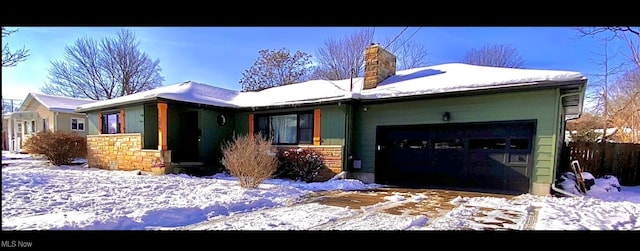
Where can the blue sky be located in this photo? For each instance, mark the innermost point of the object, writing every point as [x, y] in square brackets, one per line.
[219, 55]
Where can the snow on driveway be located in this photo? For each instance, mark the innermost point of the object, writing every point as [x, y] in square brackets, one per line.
[37, 196]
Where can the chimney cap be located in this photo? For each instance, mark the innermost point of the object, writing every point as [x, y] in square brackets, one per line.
[375, 43]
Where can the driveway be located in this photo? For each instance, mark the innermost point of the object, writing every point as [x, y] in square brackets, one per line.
[426, 204]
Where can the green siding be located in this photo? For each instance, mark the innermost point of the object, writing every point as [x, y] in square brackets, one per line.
[134, 119]
[214, 135]
[332, 125]
[533, 105]
[241, 123]
[150, 134]
[93, 123]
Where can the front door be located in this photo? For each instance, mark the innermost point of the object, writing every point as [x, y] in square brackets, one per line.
[189, 140]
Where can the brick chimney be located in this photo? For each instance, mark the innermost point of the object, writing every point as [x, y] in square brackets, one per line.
[379, 64]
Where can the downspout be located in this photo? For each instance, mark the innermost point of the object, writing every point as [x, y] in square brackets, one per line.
[347, 158]
[55, 122]
[553, 182]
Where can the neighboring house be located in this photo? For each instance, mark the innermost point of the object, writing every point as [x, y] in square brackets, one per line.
[41, 113]
[596, 134]
[444, 125]
[614, 135]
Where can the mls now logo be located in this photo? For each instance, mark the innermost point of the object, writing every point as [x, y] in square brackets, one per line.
[16, 244]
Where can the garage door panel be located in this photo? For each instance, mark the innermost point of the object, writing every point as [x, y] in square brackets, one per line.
[516, 171]
[487, 155]
[518, 158]
[517, 184]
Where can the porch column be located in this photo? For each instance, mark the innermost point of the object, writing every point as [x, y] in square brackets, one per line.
[162, 126]
[10, 134]
[316, 126]
[99, 123]
[251, 130]
[15, 135]
[122, 121]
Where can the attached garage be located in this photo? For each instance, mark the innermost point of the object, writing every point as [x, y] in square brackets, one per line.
[487, 155]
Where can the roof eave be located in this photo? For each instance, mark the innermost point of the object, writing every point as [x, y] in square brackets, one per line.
[527, 86]
[80, 109]
[342, 100]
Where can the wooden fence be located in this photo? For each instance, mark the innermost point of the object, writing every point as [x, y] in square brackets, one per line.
[618, 159]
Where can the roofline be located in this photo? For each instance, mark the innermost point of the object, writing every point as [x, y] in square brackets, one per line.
[66, 111]
[147, 100]
[116, 105]
[34, 96]
[29, 98]
[494, 90]
[342, 100]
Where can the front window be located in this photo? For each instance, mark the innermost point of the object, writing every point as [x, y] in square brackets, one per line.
[77, 124]
[286, 129]
[45, 124]
[111, 123]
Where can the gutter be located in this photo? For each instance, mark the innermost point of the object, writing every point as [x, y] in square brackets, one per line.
[330, 101]
[553, 182]
[90, 108]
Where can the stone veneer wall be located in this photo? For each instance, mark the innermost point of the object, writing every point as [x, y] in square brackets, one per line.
[379, 64]
[121, 152]
[332, 158]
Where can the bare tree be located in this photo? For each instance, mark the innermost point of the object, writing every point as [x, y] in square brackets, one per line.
[619, 102]
[625, 107]
[497, 55]
[409, 53]
[630, 35]
[615, 30]
[343, 58]
[103, 69]
[274, 68]
[12, 58]
[600, 86]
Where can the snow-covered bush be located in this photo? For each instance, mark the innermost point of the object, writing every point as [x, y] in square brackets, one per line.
[300, 164]
[60, 148]
[251, 159]
[608, 183]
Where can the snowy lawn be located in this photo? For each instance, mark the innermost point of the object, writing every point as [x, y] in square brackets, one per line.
[37, 196]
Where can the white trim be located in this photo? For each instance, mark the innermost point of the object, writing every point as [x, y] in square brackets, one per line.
[78, 122]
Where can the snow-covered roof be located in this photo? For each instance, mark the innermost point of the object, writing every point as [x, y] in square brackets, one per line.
[456, 77]
[56, 103]
[189, 91]
[444, 78]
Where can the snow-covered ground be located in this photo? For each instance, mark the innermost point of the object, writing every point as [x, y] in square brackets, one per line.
[37, 196]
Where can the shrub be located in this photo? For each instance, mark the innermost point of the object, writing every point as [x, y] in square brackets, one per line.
[300, 164]
[251, 160]
[60, 148]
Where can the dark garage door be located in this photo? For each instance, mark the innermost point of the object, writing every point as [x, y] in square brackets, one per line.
[496, 156]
